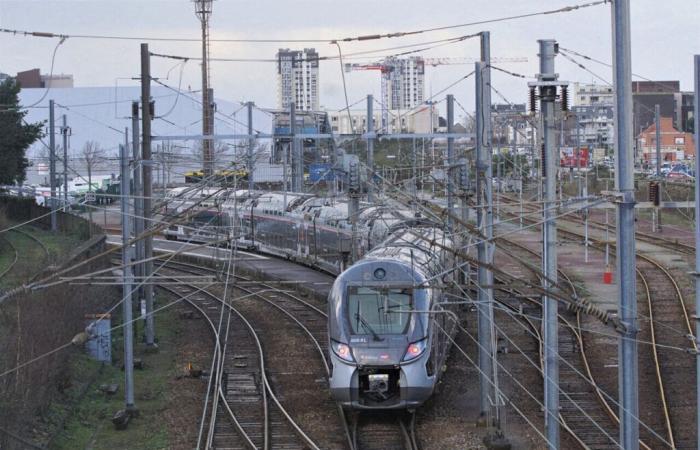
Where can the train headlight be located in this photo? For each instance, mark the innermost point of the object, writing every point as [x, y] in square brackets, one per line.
[342, 351]
[414, 350]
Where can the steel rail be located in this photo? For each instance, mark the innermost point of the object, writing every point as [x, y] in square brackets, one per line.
[215, 332]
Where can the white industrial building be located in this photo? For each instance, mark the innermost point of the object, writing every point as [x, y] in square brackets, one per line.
[415, 120]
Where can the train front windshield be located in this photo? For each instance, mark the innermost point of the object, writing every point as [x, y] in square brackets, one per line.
[207, 219]
[379, 311]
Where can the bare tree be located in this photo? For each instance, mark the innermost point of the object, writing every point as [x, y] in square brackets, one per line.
[92, 156]
[218, 153]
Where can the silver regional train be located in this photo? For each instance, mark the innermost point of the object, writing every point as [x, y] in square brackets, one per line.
[388, 326]
[388, 321]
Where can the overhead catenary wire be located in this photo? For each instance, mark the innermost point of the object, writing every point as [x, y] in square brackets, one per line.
[359, 38]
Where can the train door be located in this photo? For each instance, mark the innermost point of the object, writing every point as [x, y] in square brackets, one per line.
[313, 240]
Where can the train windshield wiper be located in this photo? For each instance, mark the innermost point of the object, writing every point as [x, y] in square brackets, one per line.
[368, 327]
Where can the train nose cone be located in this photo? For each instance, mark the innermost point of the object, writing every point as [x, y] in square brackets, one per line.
[387, 351]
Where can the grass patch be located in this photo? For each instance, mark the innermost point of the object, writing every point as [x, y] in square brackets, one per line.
[7, 255]
[31, 255]
[91, 425]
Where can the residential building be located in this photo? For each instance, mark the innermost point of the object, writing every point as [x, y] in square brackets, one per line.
[646, 95]
[594, 124]
[33, 79]
[593, 94]
[406, 82]
[512, 120]
[675, 145]
[297, 79]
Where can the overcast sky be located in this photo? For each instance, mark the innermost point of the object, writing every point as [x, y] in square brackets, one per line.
[664, 38]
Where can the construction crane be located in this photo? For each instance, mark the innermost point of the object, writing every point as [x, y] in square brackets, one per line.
[388, 65]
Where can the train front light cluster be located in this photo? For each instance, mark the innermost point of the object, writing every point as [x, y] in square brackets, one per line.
[414, 350]
[342, 351]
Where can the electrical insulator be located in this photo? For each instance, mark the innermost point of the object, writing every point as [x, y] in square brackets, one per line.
[543, 162]
[354, 178]
[134, 109]
[152, 108]
[654, 191]
[463, 176]
[564, 98]
[533, 100]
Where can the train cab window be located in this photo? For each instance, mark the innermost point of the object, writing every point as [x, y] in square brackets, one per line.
[379, 311]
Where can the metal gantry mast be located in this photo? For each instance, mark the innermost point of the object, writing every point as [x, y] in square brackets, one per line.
[52, 165]
[251, 145]
[146, 179]
[203, 10]
[65, 132]
[485, 224]
[547, 84]
[370, 147]
[628, 372]
[127, 278]
[696, 119]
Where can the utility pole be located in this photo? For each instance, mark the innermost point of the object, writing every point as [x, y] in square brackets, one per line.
[547, 84]
[484, 197]
[64, 132]
[203, 10]
[370, 148]
[293, 146]
[52, 166]
[657, 124]
[414, 174]
[450, 161]
[484, 210]
[251, 145]
[656, 222]
[128, 280]
[147, 188]
[628, 369]
[697, 237]
[354, 193]
[138, 198]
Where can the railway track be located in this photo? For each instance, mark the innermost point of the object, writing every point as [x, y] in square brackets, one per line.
[362, 431]
[585, 414]
[664, 306]
[294, 372]
[666, 407]
[384, 431]
[22, 267]
[249, 414]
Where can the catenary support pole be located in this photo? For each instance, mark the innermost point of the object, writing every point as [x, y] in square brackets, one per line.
[251, 146]
[293, 146]
[147, 187]
[64, 133]
[449, 170]
[137, 197]
[52, 165]
[657, 124]
[697, 240]
[370, 148]
[628, 383]
[485, 224]
[128, 280]
[548, 94]
[656, 223]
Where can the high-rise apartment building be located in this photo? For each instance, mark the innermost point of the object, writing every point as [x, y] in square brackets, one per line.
[297, 79]
[406, 83]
